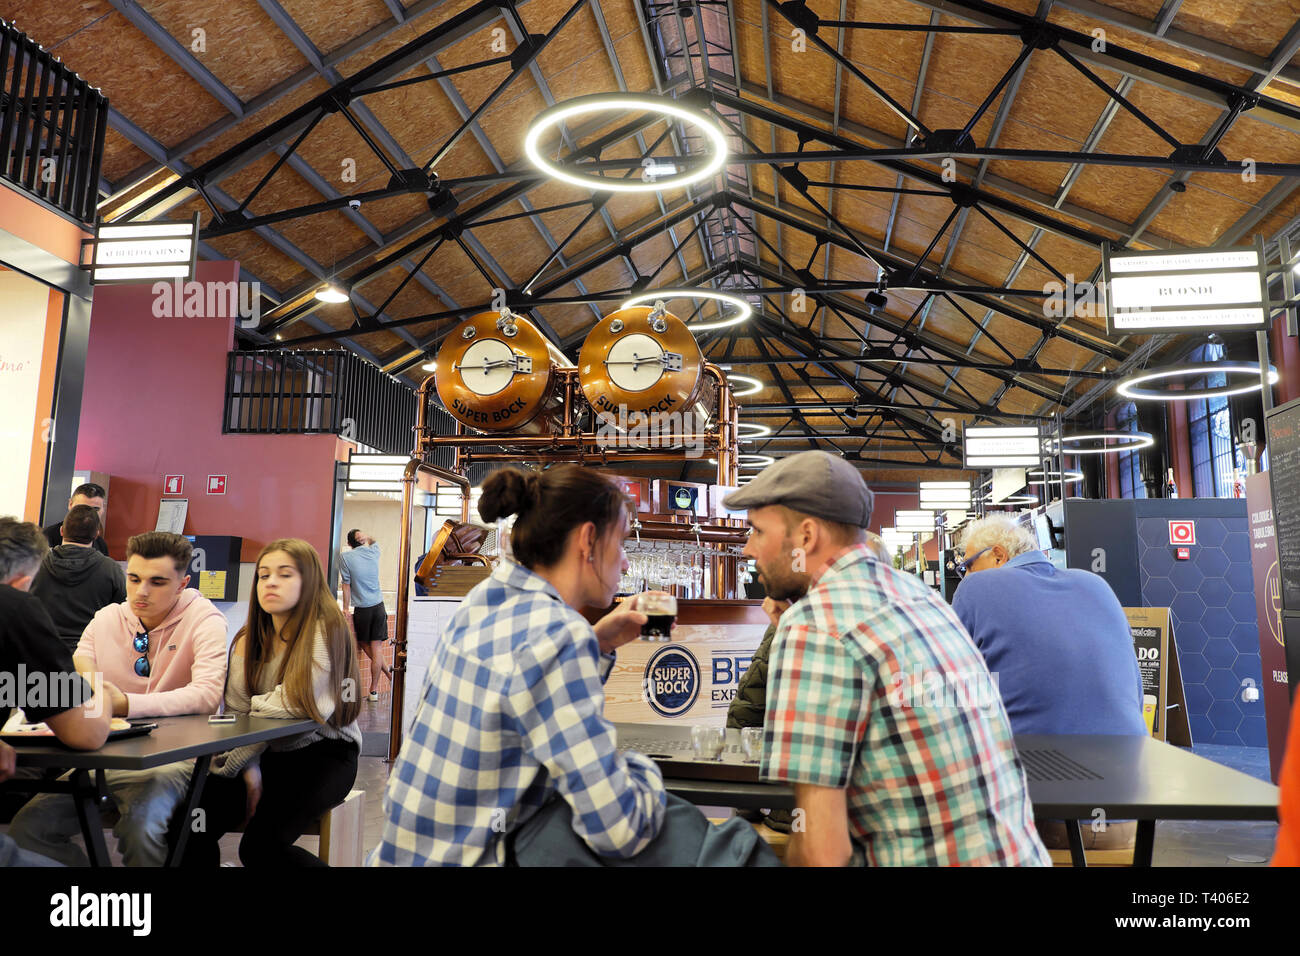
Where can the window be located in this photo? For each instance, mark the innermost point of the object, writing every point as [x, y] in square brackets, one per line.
[1209, 426]
[1130, 465]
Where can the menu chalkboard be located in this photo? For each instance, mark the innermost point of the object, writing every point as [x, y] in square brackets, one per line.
[1284, 473]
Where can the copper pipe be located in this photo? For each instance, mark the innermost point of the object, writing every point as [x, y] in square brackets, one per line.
[685, 534]
[413, 466]
[724, 445]
[557, 441]
[568, 405]
[421, 411]
[589, 459]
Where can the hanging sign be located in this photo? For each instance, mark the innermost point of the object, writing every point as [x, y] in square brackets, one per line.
[1184, 290]
[144, 252]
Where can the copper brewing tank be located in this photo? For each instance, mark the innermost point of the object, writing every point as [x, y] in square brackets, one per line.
[495, 372]
[639, 362]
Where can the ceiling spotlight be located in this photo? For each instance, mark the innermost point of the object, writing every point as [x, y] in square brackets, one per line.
[430, 366]
[603, 102]
[442, 203]
[331, 293]
[743, 309]
[876, 300]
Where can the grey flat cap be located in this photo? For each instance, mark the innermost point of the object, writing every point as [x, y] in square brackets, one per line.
[814, 482]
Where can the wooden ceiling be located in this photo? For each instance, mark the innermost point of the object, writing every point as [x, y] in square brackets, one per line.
[1205, 84]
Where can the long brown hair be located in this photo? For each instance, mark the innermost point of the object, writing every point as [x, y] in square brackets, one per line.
[316, 610]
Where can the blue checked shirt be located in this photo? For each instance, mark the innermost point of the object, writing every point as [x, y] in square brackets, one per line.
[512, 714]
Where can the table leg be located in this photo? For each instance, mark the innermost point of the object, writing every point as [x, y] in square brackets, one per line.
[1075, 838]
[85, 795]
[1145, 845]
[177, 850]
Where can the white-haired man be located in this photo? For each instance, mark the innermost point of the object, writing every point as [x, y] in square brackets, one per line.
[1056, 638]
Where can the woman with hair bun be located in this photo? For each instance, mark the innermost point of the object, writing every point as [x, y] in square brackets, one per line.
[510, 730]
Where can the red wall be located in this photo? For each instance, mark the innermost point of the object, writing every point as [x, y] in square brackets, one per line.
[1286, 359]
[153, 403]
[882, 515]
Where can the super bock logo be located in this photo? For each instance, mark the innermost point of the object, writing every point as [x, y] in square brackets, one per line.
[672, 681]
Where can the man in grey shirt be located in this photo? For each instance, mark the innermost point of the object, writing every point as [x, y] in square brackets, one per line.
[359, 569]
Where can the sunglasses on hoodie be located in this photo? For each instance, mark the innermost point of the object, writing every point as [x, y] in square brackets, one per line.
[141, 644]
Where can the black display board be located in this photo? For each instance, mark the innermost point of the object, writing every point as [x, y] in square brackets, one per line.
[214, 569]
[1284, 473]
[1101, 536]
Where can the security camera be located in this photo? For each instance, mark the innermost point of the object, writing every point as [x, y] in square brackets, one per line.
[354, 203]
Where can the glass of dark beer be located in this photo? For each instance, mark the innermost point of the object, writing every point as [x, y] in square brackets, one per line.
[660, 610]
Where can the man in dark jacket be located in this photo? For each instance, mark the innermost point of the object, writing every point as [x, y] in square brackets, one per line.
[75, 580]
[87, 494]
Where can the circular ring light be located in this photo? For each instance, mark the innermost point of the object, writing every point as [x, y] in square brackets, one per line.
[744, 309]
[1054, 476]
[755, 386]
[1012, 500]
[762, 462]
[1129, 387]
[1132, 442]
[762, 432]
[598, 102]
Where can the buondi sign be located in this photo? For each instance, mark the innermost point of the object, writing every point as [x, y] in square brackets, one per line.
[1180, 290]
[1002, 446]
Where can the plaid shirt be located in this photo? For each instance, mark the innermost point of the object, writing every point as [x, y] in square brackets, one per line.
[511, 714]
[876, 688]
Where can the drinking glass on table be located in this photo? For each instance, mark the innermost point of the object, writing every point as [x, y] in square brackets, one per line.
[751, 738]
[708, 741]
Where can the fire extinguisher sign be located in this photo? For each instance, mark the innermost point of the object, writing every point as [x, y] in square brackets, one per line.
[1182, 532]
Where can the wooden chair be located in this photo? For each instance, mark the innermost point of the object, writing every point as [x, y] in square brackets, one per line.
[343, 830]
[453, 542]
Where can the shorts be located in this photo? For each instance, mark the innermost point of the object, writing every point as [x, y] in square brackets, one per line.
[370, 623]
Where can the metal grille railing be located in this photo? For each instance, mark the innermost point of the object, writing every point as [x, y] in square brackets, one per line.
[52, 125]
[305, 392]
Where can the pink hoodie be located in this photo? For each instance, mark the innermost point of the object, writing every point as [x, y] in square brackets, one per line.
[188, 669]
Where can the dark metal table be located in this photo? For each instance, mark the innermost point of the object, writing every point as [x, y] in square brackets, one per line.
[175, 739]
[1070, 777]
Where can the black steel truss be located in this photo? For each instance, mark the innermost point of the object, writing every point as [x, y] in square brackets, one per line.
[691, 62]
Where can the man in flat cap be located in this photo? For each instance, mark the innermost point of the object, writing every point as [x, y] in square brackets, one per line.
[880, 709]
